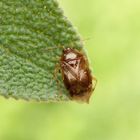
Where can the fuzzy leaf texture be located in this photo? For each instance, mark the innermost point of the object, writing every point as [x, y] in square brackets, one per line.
[27, 29]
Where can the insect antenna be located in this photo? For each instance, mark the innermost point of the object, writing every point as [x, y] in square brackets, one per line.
[52, 48]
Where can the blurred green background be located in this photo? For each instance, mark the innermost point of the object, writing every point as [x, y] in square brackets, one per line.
[113, 29]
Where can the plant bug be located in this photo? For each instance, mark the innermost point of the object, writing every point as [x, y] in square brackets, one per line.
[76, 74]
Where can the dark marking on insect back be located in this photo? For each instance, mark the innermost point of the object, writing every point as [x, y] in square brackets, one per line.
[77, 75]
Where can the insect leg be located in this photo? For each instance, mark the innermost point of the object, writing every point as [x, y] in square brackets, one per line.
[56, 71]
[95, 82]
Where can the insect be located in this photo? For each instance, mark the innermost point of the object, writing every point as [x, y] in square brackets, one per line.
[76, 74]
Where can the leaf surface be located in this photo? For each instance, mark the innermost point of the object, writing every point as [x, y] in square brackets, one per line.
[28, 29]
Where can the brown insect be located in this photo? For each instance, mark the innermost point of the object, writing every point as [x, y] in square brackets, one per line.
[77, 75]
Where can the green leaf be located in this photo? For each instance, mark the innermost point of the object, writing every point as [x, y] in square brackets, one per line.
[27, 29]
